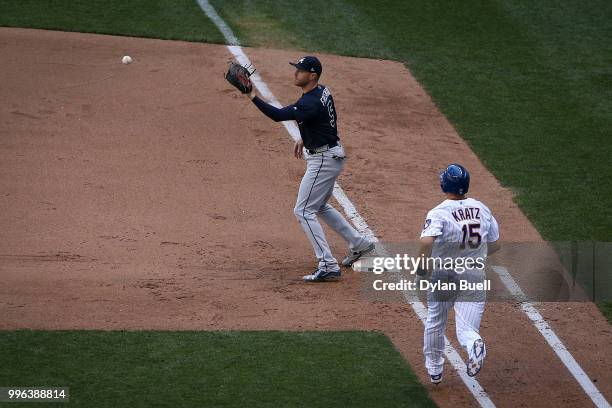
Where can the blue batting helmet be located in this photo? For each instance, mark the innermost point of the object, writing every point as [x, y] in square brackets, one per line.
[455, 179]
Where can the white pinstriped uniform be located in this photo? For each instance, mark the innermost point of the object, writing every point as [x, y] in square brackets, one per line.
[456, 221]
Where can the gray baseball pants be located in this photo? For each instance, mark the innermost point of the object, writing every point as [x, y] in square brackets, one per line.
[316, 189]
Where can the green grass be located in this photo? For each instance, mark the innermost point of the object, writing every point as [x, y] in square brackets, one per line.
[527, 84]
[212, 369]
[606, 310]
[172, 20]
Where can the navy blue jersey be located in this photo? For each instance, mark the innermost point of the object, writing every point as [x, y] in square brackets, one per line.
[314, 113]
[316, 117]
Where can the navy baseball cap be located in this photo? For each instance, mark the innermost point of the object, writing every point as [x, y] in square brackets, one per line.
[309, 64]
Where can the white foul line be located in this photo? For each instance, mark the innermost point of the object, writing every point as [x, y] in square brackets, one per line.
[552, 339]
[348, 207]
[227, 32]
[353, 215]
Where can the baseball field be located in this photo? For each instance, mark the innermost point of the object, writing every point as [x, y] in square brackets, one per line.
[149, 253]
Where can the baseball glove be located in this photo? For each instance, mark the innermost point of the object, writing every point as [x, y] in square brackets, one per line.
[238, 76]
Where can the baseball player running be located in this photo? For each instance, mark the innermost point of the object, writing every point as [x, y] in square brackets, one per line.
[317, 121]
[459, 227]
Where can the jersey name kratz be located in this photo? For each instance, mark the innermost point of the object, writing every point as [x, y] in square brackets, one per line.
[325, 96]
[467, 213]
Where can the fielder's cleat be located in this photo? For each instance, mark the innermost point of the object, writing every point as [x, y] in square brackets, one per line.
[355, 255]
[322, 276]
[436, 379]
[477, 356]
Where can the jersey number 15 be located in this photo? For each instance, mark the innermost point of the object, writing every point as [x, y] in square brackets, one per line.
[471, 236]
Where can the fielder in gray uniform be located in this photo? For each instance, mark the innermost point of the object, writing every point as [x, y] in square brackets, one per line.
[317, 120]
[459, 228]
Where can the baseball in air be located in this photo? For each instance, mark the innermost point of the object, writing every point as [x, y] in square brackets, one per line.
[126, 59]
